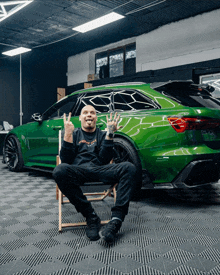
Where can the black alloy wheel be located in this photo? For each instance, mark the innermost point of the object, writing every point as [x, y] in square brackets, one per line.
[12, 154]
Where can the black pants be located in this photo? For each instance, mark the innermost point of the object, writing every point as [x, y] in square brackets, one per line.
[70, 177]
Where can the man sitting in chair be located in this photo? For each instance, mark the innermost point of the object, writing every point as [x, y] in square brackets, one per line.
[85, 154]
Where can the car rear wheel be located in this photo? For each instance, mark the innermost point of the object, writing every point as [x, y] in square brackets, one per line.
[12, 154]
[124, 151]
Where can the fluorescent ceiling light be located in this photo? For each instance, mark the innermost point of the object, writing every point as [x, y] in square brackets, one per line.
[18, 5]
[16, 51]
[101, 21]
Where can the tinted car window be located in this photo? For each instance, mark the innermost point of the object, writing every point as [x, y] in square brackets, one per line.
[100, 100]
[190, 96]
[131, 100]
[64, 106]
[193, 100]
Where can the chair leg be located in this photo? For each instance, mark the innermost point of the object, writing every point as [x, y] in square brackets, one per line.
[57, 192]
[114, 192]
[102, 195]
[60, 210]
[62, 225]
[61, 201]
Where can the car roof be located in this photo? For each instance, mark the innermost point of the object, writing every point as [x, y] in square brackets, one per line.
[175, 83]
[171, 84]
[152, 85]
[123, 84]
[117, 85]
[102, 87]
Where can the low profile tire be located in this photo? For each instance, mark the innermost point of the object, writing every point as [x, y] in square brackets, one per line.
[124, 151]
[12, 154]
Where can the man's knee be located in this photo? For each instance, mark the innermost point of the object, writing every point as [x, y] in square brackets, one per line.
[129, 168]
[60, 171]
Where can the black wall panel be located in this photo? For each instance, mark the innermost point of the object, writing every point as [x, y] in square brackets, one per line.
[40, 80]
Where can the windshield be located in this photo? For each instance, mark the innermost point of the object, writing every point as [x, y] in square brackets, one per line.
[63, 106]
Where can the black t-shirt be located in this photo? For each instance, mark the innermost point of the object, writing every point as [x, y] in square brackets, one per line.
[87, 148]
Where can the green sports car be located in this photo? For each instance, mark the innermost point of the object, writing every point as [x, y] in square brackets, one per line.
[171, 132]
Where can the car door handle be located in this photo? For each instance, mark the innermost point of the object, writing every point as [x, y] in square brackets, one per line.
[57, 128]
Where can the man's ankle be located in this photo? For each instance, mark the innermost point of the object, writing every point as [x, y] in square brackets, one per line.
[93, 227]
[116, 218]
[109, 232]
[89, 214]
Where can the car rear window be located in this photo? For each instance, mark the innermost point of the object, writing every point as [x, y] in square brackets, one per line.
[132, 100]
[190, 96]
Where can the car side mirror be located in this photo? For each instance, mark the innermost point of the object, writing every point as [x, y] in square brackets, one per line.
[37, 117]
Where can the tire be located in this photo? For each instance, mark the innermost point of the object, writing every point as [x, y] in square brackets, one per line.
[12, 154]
[124, 151]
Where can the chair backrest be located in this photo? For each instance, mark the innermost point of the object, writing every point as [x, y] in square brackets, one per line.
[59, 140]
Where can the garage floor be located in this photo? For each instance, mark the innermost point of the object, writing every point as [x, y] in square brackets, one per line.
[161, 234]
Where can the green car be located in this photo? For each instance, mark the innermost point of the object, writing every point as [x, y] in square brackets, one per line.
[171, 132]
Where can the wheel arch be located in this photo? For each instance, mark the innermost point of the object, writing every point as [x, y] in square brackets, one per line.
[21, 140]
[132, 143]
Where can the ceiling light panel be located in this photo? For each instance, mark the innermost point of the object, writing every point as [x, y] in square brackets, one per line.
[16, 51]
[101, 21]
[8, 8]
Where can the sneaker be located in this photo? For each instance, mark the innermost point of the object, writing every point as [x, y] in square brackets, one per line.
[110, 230]
[92, 229]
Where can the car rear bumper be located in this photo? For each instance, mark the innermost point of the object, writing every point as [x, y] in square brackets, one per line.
[197, 173]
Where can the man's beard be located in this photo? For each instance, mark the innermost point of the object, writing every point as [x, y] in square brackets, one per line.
[89, 127]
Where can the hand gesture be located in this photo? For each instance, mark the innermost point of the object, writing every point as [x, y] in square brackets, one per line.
[112, 124]
[68, 125]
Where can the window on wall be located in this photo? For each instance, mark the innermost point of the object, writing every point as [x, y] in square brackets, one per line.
[116, 62]
[101, 60]
[213, 80]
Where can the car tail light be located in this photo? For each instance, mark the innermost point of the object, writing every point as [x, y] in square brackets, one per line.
[181, 124]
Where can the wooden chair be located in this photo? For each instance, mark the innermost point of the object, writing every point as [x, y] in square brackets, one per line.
[98, 196]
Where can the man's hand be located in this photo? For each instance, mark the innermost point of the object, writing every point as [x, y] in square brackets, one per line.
[69, 128]
[112, 125]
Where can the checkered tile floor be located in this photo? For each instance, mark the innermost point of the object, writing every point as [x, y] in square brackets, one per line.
[161, 235]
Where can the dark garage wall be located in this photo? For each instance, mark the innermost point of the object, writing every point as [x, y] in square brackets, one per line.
[9, 90]
[42, 75]
[40, 78]
[184, 72]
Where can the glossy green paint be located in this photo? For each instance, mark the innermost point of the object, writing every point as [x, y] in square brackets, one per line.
[162, 150]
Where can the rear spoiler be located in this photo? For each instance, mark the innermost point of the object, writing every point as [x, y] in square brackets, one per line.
[172, 83]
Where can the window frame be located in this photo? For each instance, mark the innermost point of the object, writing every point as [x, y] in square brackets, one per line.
[108, 53]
